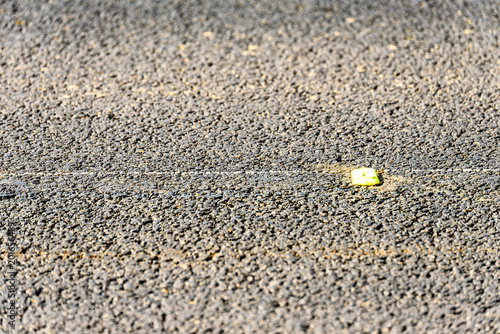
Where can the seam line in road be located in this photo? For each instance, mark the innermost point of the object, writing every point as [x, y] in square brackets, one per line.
[248, 172]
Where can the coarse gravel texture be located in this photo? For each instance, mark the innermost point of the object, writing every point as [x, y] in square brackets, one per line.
[183, 166]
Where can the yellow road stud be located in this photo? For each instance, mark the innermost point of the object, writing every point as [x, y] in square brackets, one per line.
[365, 177]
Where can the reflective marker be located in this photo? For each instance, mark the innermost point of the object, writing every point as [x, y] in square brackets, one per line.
[365, 177]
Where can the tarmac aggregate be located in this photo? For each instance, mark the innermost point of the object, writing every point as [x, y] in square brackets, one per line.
[183, 166]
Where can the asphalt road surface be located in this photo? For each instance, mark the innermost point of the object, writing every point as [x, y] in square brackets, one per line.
[183, 166]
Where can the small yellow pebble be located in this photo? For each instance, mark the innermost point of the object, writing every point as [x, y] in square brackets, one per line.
[365, 177]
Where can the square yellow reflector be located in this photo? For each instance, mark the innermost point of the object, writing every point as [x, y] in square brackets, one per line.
[365, 177]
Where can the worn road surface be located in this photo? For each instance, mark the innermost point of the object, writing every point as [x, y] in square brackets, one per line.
[183, 166]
